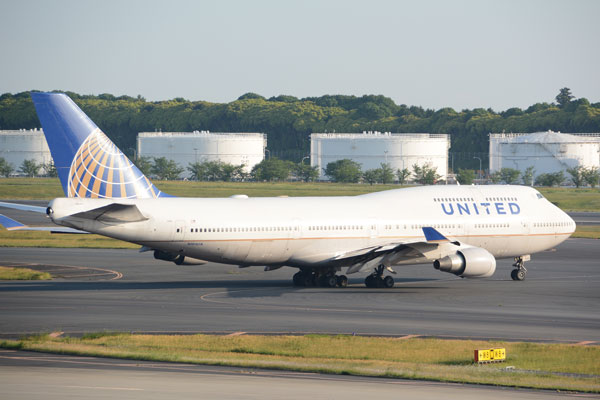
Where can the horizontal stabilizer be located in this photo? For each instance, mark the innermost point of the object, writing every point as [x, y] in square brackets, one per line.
[23, 207]
[9, 223]
[113, 213]
[12, 225]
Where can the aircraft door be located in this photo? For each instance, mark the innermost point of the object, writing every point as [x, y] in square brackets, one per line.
[179, 231]
[373, 228]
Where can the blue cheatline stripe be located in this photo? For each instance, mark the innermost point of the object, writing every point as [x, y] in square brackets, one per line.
[9, 223]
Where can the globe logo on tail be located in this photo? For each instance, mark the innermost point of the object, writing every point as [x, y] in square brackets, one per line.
[100, 170]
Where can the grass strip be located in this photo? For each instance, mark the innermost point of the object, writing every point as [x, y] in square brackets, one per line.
[47, 239]
[22, 274]
[536, 365]
[587, 232]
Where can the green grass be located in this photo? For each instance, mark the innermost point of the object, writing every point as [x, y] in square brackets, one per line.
[47, 239]
[49, 188]
[30, 188]
[535, 365]
[571, 199]
[587, 232]
[22, 274]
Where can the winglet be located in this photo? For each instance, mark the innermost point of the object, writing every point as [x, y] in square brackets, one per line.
[431, 235]
[10, 224]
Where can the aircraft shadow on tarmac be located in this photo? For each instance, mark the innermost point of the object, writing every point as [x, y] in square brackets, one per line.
[237, 288]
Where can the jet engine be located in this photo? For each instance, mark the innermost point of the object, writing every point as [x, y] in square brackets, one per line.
[177, 258]
[471, 262]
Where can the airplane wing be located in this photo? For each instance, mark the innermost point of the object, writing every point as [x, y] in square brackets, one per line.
[23, 207]
[433, 247]
[12, 225]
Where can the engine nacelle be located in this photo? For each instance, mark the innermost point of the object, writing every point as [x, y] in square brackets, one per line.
[185, 260]
[165, 256]
[177, 258]
[471, 262]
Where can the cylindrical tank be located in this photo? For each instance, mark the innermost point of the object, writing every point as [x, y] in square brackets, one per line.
[17, 146]
[546, 152]
[199, 146]
[371, 149]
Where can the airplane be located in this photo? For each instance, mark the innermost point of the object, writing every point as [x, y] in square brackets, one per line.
[461, 230]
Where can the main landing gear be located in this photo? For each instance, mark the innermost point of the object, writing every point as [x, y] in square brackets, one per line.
[518, 274]
[376, 279]
[316, 278]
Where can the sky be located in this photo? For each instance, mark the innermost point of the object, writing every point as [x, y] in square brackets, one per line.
[429, 53]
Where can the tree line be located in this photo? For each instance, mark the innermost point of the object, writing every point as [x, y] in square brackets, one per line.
[275, 169]
[288, 121]
[341, 171]
[29, 168]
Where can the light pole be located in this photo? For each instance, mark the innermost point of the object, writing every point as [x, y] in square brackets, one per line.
[304, 158]
[268, 152]
[478, 172]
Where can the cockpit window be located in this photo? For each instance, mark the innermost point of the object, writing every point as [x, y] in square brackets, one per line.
[539, 196]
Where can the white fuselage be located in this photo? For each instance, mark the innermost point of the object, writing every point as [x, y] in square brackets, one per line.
[507, 221]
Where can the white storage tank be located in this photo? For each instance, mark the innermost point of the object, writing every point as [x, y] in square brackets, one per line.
[17, 146]
[371, 149]
[199, 146]
[546, 152]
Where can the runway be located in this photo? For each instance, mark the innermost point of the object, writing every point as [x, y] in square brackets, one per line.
[25, 375]
[557, 302]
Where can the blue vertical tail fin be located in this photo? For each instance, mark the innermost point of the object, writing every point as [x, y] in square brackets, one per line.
[88, 163]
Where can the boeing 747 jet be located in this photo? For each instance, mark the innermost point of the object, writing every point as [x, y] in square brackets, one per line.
[460, 230]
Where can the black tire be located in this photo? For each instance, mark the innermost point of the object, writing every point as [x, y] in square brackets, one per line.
[371, 281]
[308, 280]
[342, 281]
[331, 281]
[297, 279]
[323, 281]
[388, 282]
[513, 274]
[520, 275]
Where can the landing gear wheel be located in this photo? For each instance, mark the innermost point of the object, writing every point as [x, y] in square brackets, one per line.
[308, 280]
[517, 274]
[342, 281]
[331, 281]
[376, 279]
[388, 282]
[371, 281]
[297, 279]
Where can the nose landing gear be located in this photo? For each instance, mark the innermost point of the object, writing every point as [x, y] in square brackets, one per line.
[518, 274]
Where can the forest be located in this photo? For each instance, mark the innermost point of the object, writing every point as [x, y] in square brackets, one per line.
[288, 121]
